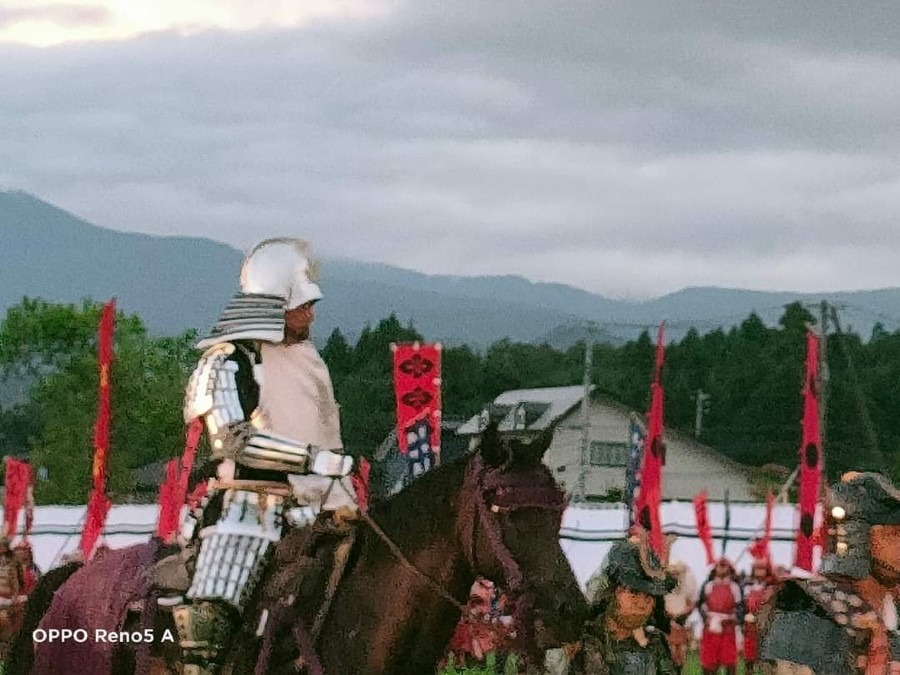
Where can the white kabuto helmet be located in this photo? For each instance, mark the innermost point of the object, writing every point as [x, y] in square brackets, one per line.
[277, 275]
[282, 267]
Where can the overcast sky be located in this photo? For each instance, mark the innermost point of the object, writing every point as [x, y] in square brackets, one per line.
[630, 148]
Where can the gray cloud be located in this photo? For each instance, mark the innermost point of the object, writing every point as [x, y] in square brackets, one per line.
[628, 147]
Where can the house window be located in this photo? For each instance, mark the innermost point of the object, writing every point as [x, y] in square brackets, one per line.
[605, 453]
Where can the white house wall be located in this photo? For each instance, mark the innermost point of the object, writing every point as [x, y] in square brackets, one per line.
[689, 469]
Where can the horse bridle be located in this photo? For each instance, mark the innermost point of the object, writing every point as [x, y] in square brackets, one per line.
[486, 493]
[495, 491]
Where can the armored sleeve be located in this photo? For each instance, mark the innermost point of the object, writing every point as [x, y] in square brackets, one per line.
[214, 393]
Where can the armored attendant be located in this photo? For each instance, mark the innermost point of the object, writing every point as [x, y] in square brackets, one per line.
[757, 591]
[843, 621]
[267, 401]
[722, 609]
[627, 633]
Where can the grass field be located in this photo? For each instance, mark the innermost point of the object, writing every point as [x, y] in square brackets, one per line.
[491, 667]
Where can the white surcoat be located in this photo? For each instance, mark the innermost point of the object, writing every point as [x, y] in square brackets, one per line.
[296, 399]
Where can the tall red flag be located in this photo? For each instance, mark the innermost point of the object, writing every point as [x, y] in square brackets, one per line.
[810, 457]
[704, 529]
[18, 485]
[99, 503]
[417, 386]
[95, 518]
[650, 495]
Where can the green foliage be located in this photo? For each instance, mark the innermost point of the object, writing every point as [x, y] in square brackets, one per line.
[753, 374]
[57, 346]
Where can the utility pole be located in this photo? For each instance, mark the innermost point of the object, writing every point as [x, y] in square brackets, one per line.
[702, 398]
[585, 420]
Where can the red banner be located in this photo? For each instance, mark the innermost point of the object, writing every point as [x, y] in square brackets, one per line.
[95, 518]
[99, 503]
[810, 457]
[704, 530]
[650, 495]
[192, 440]
[417, 386]
[101, 428]
[761, 548]
[18, 485]
[173, 493]
[169, 507]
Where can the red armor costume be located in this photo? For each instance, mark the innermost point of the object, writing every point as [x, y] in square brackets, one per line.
[721, 606]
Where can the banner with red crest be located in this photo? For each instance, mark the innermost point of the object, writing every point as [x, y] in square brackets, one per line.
[810, 457]
[99, 503]
[19, 482]
[417, 387]
[650, 495]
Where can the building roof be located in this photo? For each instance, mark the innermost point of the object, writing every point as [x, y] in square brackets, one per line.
[526, 409]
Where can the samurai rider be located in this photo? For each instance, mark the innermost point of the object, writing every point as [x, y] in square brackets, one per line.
[627, 634]
[843, 621]
[267, 401]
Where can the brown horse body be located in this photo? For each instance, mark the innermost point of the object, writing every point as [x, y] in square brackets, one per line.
[494, 514]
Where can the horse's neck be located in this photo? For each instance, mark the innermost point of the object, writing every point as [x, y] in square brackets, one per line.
[424, 526]
[401, 622]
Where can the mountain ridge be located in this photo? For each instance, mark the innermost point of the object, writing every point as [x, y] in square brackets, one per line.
[180, 282]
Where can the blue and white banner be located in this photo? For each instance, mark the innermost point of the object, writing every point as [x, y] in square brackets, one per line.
[633, 468]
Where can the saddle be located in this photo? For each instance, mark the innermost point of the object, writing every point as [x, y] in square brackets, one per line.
[306, 571]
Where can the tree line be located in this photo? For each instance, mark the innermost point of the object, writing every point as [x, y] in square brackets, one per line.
[752, 373]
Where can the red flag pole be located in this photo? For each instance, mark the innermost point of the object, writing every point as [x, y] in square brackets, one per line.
[99, 503]
[810, 457]
[650, 495]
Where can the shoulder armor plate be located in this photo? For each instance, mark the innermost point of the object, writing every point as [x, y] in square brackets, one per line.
[212, 390]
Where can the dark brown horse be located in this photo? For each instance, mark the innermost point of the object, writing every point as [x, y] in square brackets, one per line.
[495, 513]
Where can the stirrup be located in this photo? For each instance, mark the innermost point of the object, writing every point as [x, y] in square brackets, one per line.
[204, 631]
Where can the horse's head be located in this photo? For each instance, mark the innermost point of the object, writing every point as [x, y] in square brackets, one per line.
[510, 519]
